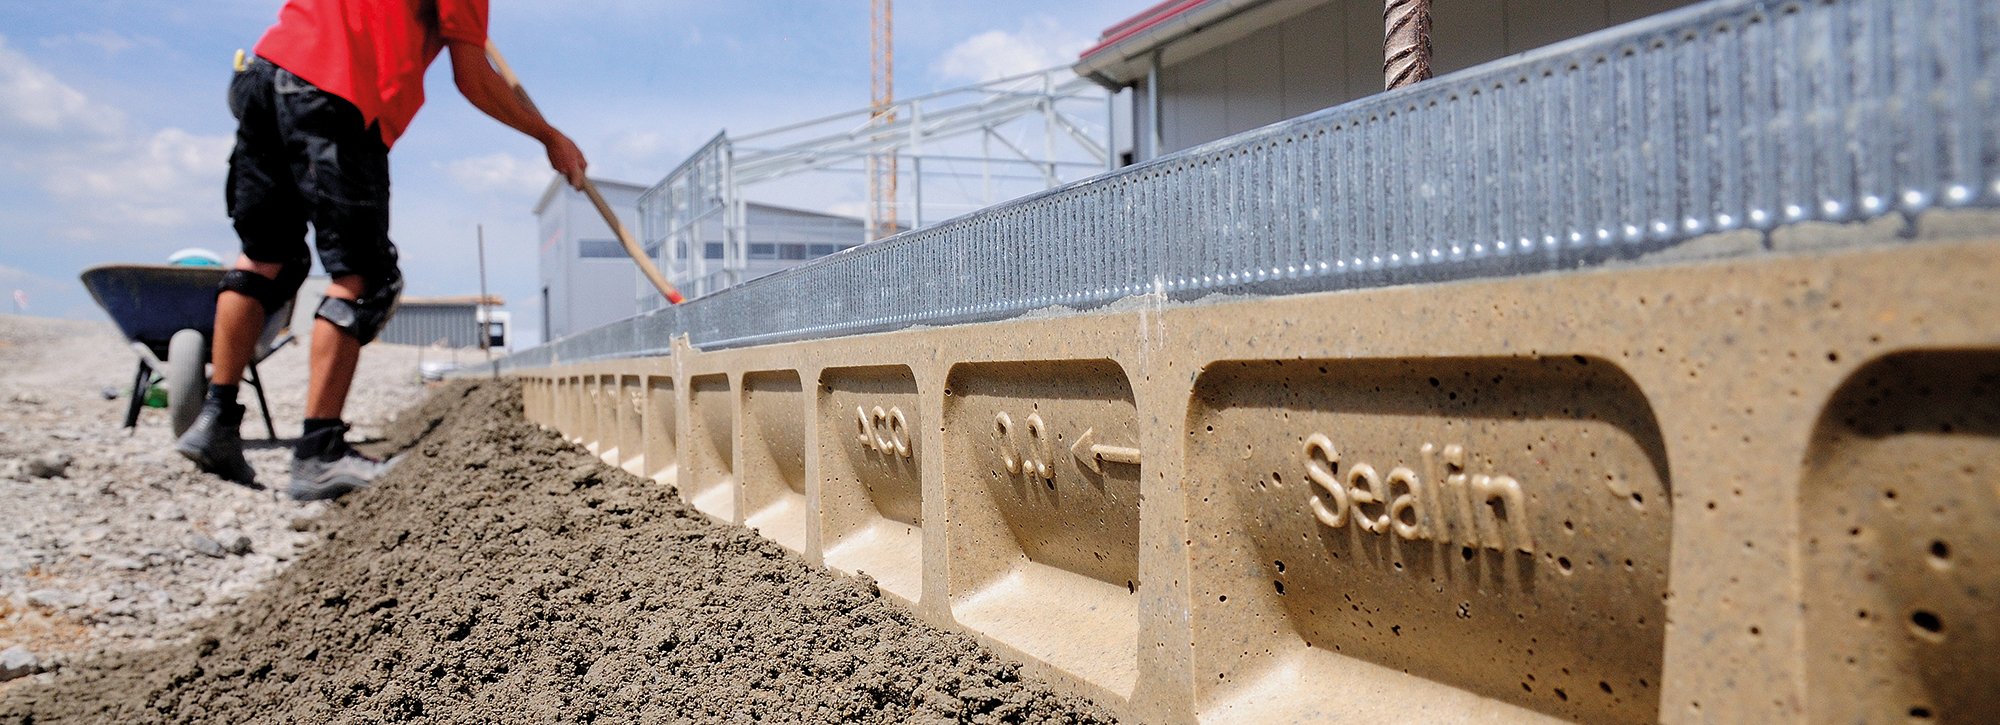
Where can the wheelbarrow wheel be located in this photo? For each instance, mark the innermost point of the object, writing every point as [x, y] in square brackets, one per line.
[187, 377]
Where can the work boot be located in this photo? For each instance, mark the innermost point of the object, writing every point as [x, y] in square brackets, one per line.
[215, 445]
[325, 467]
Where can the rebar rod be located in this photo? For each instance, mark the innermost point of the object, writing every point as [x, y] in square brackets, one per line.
[1406, 42]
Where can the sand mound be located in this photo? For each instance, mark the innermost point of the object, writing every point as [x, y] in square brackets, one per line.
[501, 575]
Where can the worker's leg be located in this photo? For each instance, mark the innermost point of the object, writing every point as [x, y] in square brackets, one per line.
[239, 320]
[334, 356]
[323, 464]
[343, 177]
[269, 215]
[264, 204]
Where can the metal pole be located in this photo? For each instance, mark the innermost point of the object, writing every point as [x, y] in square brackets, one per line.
[871, 224]
[1111, 131]
[986, 166]
[917, 189]
[916, 163]
[740, 211]
[736, 238]
[479, 310]
[1153, 134]
[1406, 42]
[1049, 127]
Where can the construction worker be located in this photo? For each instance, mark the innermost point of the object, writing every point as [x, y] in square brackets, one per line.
[329, 89]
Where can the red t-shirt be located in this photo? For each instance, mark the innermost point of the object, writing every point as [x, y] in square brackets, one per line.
[372, 53]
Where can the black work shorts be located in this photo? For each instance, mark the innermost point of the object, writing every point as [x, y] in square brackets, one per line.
[304, 155]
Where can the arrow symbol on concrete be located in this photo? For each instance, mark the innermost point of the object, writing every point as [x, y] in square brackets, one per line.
[1094, 455]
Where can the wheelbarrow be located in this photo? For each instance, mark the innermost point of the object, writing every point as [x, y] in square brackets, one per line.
[167, 314]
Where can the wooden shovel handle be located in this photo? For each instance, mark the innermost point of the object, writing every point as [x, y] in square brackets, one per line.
[590, 189]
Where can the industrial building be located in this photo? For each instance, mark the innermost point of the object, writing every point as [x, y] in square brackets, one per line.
[587, 277]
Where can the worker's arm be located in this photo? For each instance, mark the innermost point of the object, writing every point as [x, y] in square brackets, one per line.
[483, 86]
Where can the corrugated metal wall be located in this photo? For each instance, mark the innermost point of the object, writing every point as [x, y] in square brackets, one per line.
[454, 325]
[1333, 54]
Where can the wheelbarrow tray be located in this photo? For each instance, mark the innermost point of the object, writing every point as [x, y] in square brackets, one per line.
[151, 302]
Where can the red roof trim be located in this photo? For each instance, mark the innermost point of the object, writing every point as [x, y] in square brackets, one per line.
[1143, 16]
[1140, 23]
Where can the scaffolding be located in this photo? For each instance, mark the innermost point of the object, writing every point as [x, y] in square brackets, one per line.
[1014, 135]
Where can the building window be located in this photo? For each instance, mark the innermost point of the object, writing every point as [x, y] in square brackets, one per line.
[763, 251]
[712, 250]
[793, 251]
[821, 250]
[599, 249]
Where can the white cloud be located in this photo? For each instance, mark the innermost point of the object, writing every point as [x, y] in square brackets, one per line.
[168, 179]
[12, 278]
[642, 144]
[34, 100]
[643, 156]
[109, 42]
[502, 172]
[1040, 43]
[105, 177]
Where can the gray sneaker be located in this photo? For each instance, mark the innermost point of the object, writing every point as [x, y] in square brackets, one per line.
[214, 444]
[314, 479]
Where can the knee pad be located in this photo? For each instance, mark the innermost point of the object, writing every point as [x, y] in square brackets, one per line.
[273, 294]
[364, 318]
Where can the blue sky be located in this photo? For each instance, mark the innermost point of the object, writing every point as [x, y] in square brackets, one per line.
[114, 133]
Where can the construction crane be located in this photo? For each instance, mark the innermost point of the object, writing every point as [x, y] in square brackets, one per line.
[882, 80]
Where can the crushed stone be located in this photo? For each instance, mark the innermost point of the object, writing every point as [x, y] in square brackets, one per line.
[107, 542]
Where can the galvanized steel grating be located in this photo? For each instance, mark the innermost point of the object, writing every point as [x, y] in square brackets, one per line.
[1730, 115]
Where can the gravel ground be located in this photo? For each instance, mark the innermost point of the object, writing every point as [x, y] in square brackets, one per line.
[129, 545]
[500, 574]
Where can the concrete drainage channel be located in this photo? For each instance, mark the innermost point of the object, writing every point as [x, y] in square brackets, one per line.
[1485, 499]
[1635, 378]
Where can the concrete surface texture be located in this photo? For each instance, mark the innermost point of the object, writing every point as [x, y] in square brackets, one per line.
[1749, 489]
[501, 575]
